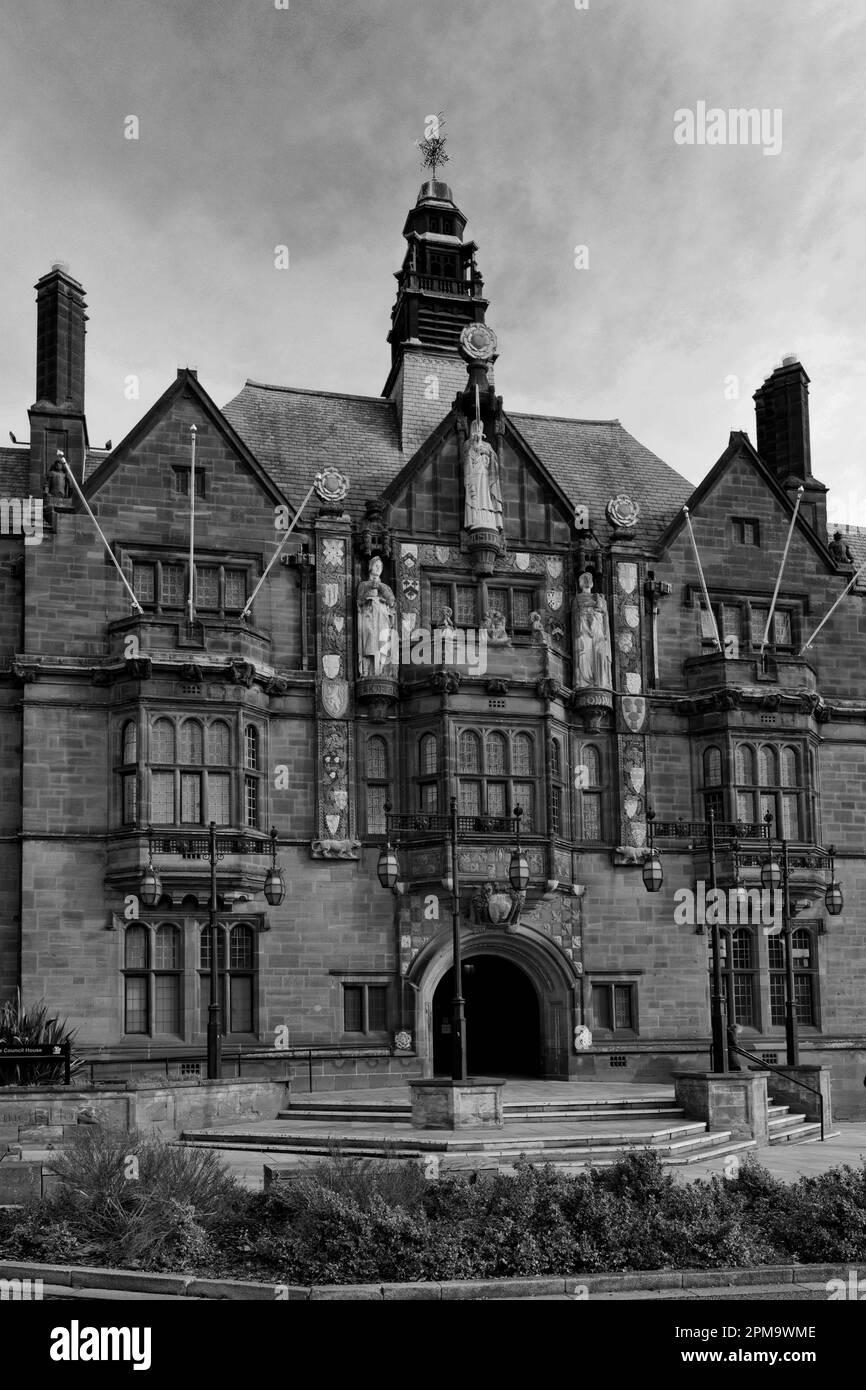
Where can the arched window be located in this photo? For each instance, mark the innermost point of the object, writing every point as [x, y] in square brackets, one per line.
[738, 975]
[136, 980]
[587, 780]
[166, 979]
[805, 977]
[470, 754]
[555, 758]
[237, 984]
[219, 743]
[590, 764]
[129, 742]
[377, 758]
[523, 765]
[191, 743]
[788, 771]
[252, 781]
[496, 766]
[377, 789]
[428, 756]
[747, 796]
[712, 767]
[745, 765]
[767, 767]
[714, 797]
[129, 773]
[559, 807]
[162, 741]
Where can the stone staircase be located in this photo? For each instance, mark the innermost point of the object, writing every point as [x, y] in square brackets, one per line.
[788, 1127]
[570, 1133]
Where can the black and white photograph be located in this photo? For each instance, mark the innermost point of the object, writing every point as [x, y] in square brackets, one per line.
[432, 680]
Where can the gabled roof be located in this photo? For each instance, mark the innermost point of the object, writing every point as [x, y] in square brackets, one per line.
[595, 460]
[297, 433]
[187, 383]
[740, 446]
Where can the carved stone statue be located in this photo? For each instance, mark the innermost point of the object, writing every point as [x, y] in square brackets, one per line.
[539, 632]
[840, 551]
[483, 507]
[446, 618]
[592, 655]
[56, 484]
[377, 620]
[497, 634]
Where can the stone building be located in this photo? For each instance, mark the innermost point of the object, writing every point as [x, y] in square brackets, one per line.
[504, 608]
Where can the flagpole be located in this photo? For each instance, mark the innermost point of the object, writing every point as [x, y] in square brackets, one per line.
[800, 492]
[703, 581]
[192, 434]
[111, 555]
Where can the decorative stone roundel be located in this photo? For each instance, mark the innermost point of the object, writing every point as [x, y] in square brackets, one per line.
[623, 512]
[478, 342]
[331, 485]
[403, 1040]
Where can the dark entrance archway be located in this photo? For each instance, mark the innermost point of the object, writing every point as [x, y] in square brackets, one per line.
[503, 1020]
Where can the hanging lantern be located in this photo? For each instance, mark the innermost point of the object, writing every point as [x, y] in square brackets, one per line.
[518, 871]
[387, 868]
[275, 885]
[150, 890]
[652, 872]
[771, 873]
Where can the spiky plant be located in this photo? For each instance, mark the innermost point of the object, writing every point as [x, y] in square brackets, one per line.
[23, 1026]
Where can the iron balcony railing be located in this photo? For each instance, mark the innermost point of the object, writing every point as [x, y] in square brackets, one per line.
[699, 830]
[439, 824]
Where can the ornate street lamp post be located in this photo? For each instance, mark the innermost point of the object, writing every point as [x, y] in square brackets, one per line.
[213, 849]
[775, 874]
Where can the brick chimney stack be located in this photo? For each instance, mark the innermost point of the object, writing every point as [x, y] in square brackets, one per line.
[57, 420]
[782, 417]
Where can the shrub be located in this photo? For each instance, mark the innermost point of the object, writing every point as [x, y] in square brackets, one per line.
[361, 1181]
[140, 1199]
[34, 1026]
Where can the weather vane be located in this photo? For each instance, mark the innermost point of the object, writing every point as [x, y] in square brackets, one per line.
[432, 147]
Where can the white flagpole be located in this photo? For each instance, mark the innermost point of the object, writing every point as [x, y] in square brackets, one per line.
[296, 518]
[192, 434]
[703, 581]
[800, 492]
[111, 555]
[807, 644]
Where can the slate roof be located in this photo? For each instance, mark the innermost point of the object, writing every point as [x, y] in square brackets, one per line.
[595, 460]
[294, 433]
[14, 467]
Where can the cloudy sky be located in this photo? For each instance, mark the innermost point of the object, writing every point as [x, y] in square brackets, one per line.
[262, 126]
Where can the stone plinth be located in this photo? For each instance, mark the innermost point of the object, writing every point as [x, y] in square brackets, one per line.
[806, 1102]
[736, 1101]
[445, 1104]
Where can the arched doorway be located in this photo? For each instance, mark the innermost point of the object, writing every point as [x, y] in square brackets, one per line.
[503, 1019]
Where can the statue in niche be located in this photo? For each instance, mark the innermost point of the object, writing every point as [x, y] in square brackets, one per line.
[377, 622]
[592, 656]
[483, 507]
[56, 485]
[840, 551]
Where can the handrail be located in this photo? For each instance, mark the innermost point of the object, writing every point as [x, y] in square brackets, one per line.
[767, 1066]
